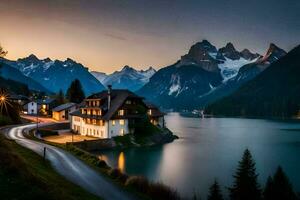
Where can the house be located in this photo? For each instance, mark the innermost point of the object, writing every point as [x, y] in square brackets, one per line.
[46, 106]
[41, 106]
[19, 99]
[112, 113]
[31, 108]
[63, 111]
[155, 115]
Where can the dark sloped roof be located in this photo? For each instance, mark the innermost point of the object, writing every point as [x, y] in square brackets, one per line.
[155, 112]
[63, 107]
[18, 97]
[118, 97]
[45, 101]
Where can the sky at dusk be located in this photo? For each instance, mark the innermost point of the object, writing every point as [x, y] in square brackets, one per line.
[105, 35]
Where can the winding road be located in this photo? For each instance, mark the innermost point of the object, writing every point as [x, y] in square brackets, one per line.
[69, 166]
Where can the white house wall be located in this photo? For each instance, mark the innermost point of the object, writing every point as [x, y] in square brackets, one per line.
[32, 108]
[99, 131]
[115, 130]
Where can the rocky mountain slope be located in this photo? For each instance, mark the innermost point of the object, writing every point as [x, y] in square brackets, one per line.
[275, 92]
[198, 73]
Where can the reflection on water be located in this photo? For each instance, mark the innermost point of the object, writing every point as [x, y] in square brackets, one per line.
[211, 148]
[121, 162]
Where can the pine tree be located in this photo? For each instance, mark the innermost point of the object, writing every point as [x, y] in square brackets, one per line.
[215, 192]
[268, 191]
[279, 187]
[75, 93]
[245, 186]
[60, 97]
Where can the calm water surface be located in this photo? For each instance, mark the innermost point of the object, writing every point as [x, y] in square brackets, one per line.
[211, 148]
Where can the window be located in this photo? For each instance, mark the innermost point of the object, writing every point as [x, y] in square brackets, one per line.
[32, 103]
[128, 102]
[150, 112]
[94, 121]
[122, 132]
[101, 123]
[122, 122]
[113, 122]
[121, 112]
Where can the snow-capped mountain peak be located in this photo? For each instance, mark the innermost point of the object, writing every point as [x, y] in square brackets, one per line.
[126, 78]
[56, 75]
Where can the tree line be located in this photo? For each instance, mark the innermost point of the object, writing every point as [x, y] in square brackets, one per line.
[246, 187]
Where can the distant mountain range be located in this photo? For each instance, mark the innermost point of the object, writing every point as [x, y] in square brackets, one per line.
[206, 74]
[127, 78]
[10, 73]
[56, 75]
[275, 92]
[198, 79]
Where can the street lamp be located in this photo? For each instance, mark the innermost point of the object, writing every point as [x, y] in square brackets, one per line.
[2, 98]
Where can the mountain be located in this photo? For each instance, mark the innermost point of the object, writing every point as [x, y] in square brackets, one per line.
[275, 92]
[8, 72]
[56, 75]
[198, 73]
[245, 74]
[100, 76]
[127, 78]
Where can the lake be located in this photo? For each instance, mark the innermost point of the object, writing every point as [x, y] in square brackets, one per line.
[210, 149]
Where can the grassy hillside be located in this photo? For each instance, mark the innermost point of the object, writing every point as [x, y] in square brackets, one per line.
[274, 93]
[25, 175]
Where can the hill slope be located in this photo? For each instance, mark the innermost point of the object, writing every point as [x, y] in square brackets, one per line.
[12, 75]
[275, 92]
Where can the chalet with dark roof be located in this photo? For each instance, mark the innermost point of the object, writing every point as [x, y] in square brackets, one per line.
[111, 113]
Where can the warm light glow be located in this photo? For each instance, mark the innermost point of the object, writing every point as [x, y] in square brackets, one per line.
[3, 101]
[121, 162]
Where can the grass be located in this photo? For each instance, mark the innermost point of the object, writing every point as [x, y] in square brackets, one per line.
[25, 175]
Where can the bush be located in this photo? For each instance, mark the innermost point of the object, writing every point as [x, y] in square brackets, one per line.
[159, 191]
[138, 183]
[47, 132]
[101, 164]
[5, 121]
[115, 173]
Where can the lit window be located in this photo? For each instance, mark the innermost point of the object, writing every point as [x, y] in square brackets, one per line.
[94, 121]
[150, 112]
[113, 122]
[122, 132]
[44, 106]
[101, 123]
[122, 121]
[121, 112]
